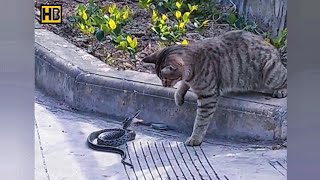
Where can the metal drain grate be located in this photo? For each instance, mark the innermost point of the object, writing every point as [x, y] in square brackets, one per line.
[281, 167]
[168, 160]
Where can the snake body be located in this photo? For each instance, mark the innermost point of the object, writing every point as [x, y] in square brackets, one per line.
[109, 139]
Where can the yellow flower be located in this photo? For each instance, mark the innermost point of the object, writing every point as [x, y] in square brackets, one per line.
[184, 42]
[132, 42]
[82, 26]
[112, 24]
[154, 15]
[178, 14]
[178, 4]
[129, 39]
[164, 17]
[182, 25]
[112, 8]
[194, 8]
[91, 29]
[125, 15]
[84, 16]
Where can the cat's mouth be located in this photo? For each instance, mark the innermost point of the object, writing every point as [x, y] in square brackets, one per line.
[170, 82]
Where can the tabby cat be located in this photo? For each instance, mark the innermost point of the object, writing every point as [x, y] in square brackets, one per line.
[237, 61]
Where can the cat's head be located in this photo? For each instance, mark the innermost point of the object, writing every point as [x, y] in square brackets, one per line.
[168, 64]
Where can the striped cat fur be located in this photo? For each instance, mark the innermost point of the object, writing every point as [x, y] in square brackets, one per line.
[237, 61]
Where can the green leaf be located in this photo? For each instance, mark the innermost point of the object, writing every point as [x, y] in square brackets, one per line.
[105, 28]
[119, 38]
[153, 29]
[97, 20]
[232, 18]
[163, 38]
[99, 35]
[190, 6]
[240, 23]
[81, 7]
[186, 16]
[118, 30]
[123, 44]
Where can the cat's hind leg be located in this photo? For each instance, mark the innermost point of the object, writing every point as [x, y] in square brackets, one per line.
[206, 108]
[275, 78]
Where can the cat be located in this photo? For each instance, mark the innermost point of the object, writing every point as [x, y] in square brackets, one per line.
[236, 61]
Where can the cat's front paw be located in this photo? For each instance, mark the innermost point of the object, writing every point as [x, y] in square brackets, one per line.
[193, 141]
[178, 99]
[280, 93]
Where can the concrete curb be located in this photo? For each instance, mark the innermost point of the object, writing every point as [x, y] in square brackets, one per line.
[87, 84]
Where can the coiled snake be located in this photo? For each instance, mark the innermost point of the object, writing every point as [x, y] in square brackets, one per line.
[109, 139]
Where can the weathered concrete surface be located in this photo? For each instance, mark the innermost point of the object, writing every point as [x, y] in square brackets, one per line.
[61, 152]
[87, 84]
[270, 15]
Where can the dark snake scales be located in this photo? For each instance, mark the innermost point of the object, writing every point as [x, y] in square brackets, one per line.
[109, 139]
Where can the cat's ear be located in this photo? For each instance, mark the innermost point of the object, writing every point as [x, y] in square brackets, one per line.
[149, 59]
[152, 58]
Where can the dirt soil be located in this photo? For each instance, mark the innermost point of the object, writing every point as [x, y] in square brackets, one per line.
[139, 27]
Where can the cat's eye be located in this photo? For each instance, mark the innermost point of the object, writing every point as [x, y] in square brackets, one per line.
[171, 68]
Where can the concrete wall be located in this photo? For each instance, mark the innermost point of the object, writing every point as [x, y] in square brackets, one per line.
[270, 15]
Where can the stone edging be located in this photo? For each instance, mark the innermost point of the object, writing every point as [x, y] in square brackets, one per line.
[87, 84]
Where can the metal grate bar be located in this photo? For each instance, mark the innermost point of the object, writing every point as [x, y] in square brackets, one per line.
[215, 173]
[145, 158]
[184, 161]
[154, 163]
[173, 169]
[135, 151]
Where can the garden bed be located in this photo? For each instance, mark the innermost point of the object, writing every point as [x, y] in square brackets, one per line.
[139, 27]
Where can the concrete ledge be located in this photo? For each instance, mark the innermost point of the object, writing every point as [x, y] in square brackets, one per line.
[87, 84]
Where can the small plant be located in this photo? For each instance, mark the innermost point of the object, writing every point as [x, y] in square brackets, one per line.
[280, 41]
[127, 44]
[207, 9]
[144, 4]
[170, 19]
[174, 30]
[106, 22]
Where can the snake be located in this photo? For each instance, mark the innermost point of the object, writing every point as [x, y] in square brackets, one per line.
[108, 140]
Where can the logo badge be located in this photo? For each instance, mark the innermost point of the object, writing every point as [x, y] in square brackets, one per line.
[51, 14]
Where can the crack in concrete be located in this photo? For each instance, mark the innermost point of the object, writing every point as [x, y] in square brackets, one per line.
[41, 150]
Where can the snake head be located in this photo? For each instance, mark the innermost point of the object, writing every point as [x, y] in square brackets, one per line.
[127, 122]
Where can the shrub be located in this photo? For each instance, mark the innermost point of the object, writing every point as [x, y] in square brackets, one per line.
[103, 22]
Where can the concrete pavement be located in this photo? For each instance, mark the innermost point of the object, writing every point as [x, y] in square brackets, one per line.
[61, 152]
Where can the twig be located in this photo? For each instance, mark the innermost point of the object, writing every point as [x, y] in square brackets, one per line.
[78, 1]
[233, 5]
